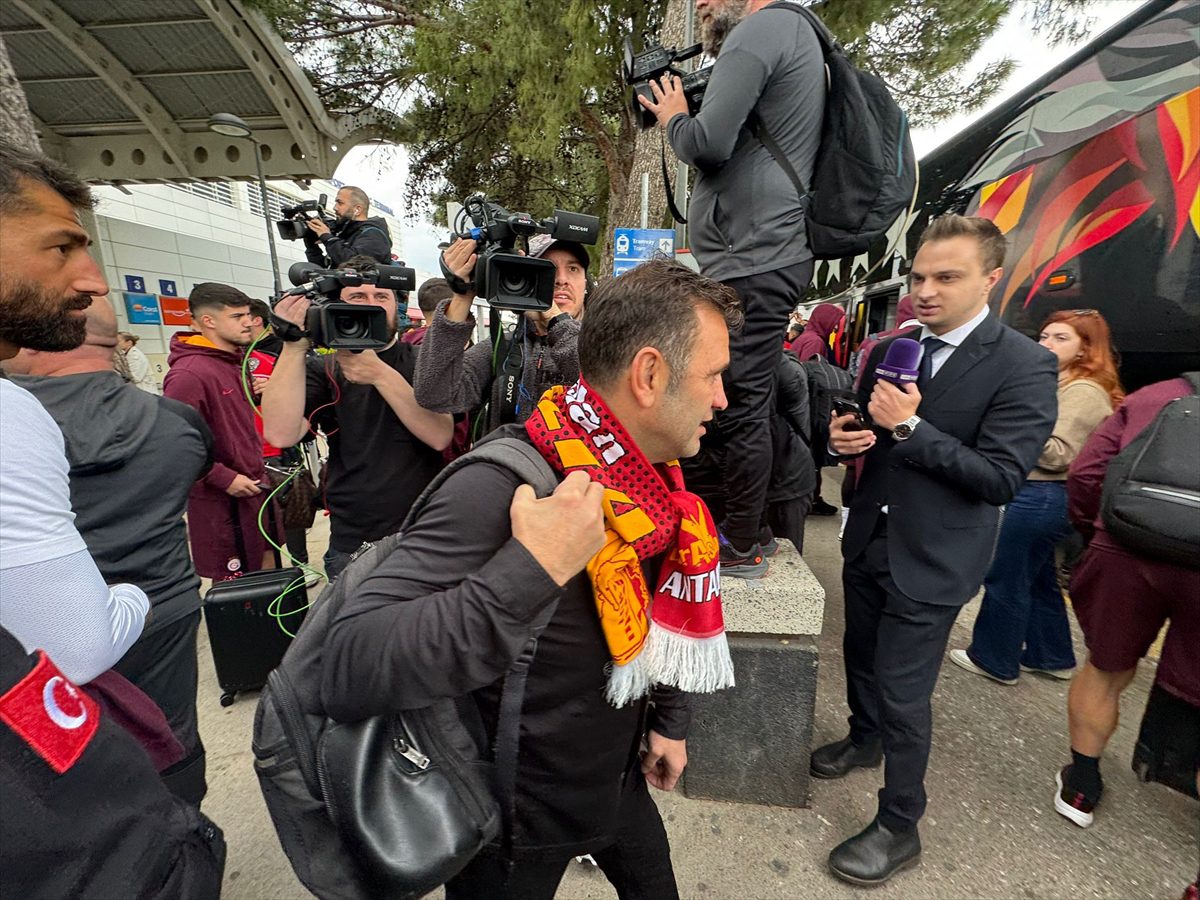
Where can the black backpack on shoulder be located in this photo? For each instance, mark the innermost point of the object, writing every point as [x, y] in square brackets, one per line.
[825, 382]
[865, 171]
[1151, 497]
[394, 805]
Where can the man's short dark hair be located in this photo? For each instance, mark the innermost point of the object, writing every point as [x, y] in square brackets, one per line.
[260, 310]
[210, 295]
[432, 292]
[652, 305]
[18, 166]
[358, 197]
[992, 245]
[360, 263]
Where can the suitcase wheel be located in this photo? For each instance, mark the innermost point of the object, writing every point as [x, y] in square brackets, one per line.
[227, 699]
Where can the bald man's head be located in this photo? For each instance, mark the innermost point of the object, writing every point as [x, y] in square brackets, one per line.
[94, 355]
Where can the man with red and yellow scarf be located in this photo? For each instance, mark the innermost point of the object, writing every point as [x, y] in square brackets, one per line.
[630, 557]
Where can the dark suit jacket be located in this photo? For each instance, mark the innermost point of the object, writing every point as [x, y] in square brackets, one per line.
[985, 416]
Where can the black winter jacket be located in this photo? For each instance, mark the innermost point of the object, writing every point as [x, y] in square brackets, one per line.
[104, 826]
[448, 613]
[366, 237]
[793, 474]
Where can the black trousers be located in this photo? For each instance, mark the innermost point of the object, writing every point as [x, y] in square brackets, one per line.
[163, 665]
[893, 647]
[638, 864]
[744, 428]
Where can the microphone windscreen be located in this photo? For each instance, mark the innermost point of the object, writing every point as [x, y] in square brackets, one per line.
[902, 362]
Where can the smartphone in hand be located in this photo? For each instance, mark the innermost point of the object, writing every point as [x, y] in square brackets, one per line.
[847, 406]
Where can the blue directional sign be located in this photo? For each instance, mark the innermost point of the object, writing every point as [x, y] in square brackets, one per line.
[167, 287]
[135, 283]
[632, 246]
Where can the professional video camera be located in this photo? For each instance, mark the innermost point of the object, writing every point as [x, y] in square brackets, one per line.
[503, 277]
[653, 63]
[294, 224]
[347, 326]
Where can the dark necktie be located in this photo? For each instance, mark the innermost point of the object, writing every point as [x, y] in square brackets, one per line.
[929, 346]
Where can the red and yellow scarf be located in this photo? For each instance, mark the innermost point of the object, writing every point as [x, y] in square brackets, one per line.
[677, 635]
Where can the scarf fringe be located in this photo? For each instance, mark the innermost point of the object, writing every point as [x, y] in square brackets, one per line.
[629, 682]
[695, 665]
[698, 666]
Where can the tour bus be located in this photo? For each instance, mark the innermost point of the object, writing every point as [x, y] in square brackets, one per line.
[1093, 175]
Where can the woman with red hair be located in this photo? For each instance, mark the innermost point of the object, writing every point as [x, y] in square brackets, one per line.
[1022, 624]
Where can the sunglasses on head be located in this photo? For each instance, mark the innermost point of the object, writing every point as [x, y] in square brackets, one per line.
[1085, 312]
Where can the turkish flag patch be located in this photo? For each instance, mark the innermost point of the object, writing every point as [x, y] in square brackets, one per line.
[51, 715]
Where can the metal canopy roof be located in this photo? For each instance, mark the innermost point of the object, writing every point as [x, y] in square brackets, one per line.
[121, 90]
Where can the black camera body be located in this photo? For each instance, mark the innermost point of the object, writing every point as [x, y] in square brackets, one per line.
[653, 63]
[294, 224]
[505, 278]
[335, 325]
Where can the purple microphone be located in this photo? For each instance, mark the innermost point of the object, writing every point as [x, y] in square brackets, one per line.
[901, 364]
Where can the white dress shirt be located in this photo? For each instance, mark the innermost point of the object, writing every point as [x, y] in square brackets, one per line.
[953, 339]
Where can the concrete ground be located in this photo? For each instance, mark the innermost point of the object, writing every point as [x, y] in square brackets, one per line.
[990, 831]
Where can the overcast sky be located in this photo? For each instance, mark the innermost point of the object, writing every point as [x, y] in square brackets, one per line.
[381, 170]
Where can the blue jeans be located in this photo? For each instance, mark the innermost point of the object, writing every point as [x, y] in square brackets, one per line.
[335, 561]
[1022, 602]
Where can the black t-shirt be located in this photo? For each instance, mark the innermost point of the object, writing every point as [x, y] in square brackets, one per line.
[377, 467]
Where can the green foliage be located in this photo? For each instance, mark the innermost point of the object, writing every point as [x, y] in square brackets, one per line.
[523, 99]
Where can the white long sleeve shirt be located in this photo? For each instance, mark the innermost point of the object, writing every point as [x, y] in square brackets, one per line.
[52, 596]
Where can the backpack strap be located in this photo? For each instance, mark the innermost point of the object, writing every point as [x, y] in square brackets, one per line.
[759, 130]
[510, 453]
[524, 460]
[507, 745]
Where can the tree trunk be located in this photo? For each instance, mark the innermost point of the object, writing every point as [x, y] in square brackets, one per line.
[16, 122]
[640, 152]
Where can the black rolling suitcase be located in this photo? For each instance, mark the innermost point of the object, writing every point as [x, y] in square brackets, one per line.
[246, 618]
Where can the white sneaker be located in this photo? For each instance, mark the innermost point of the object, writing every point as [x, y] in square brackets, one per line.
[586, 858]
[960, 659]
[1060, 674]
[1071, 805]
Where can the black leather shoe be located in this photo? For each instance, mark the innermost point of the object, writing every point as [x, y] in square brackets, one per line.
[875, 854]
[837, 759]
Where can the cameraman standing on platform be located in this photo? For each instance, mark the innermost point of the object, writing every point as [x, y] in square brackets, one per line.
[748, 223]
[383, 447]
[353, 234]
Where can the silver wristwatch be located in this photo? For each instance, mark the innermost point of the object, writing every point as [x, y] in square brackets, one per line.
[904, 430]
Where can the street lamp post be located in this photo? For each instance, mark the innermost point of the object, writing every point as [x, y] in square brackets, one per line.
[230, 125]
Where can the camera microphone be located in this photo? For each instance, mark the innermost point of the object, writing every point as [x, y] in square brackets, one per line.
[301, 273]
[901, 364]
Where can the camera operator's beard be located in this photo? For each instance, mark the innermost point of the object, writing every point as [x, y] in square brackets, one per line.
[31, 318]
[716, 28]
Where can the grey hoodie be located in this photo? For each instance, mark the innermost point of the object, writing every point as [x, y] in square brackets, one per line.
[746, 217]
[133, 458]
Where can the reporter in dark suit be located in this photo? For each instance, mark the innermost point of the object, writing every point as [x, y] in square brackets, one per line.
[941, 458]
